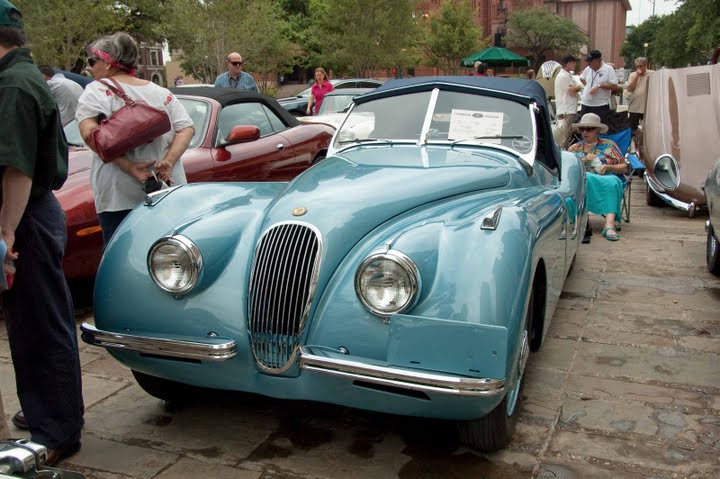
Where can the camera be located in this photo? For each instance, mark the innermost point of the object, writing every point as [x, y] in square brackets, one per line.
[154, 184]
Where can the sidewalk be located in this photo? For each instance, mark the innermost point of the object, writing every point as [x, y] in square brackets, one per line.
[627, 385]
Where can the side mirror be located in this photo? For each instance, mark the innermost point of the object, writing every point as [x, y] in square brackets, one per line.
[242, 134]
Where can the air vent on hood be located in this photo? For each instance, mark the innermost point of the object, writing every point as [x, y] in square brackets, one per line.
[698, 84]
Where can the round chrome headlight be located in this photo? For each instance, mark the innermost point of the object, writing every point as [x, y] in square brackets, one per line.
[174, 263]
[387, 283]
[666, 172]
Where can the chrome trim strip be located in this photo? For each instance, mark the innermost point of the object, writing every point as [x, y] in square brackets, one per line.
[666, 198]
[159, 346]
[400, 377]
[151, 199]
[263, 291]
[492, 219]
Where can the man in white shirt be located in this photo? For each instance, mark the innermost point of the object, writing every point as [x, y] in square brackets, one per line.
[566, 101]
[66, 93]
[600, 81]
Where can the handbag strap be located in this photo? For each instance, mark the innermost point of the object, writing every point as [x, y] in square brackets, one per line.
[118, 90]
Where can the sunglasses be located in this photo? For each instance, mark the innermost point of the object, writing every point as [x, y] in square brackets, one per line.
[236, 64]
[92, 61]
[587, 128]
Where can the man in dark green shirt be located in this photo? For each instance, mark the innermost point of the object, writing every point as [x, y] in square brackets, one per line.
[38, 308]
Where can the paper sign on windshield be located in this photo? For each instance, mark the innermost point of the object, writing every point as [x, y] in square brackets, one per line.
[468, 124]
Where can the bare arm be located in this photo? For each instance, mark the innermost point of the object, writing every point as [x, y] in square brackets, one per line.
[310, 101]
[15, 194]
[633, 82]
[86, 128]
[178, 146]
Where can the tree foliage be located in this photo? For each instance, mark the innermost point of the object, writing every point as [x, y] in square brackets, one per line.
[539, 30]
[59, 31]
[685, 37]
[636, 39]
[453, 35]
[359, 36]
[206, 31]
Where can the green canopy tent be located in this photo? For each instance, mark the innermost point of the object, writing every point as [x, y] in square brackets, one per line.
[496, 57]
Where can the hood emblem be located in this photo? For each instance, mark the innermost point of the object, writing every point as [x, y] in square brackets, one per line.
[299, 211]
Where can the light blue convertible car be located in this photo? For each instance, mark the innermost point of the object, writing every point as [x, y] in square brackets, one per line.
[410, 272]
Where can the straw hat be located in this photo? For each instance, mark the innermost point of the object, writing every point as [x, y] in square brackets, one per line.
[591, 120]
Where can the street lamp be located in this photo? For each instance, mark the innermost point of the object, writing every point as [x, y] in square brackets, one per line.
[646, 45]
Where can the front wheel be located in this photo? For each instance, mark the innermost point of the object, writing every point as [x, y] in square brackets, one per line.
[494, 431]
[652, 199]
[713, 253]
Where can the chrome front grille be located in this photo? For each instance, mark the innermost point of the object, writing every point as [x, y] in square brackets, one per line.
[282, 285]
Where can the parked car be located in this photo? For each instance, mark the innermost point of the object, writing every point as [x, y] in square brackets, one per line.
[334, 106]
[411, 273]
[297, 105]
[239, 136]
[680, 128]
[712, 225]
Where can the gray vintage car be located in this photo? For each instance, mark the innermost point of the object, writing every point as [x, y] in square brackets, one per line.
[712, 225]
[681, 135]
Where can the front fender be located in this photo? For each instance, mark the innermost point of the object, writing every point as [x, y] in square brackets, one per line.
[469, 276]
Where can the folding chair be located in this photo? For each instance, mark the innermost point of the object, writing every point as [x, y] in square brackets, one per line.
[623, 139]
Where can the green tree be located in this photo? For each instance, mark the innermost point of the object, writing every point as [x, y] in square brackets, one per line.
[205, 31]
[59, 31]
[539, 30]
[453, 35]
[359, 36]
[637, 37]
[704, 32]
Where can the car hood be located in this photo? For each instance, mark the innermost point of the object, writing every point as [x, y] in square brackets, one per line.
[346, 199]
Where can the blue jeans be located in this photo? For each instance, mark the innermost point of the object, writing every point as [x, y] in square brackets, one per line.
[109, 222]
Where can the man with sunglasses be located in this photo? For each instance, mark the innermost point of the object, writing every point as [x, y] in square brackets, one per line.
[235, 77]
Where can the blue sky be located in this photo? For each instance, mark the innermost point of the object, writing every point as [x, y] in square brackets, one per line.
[642, 9]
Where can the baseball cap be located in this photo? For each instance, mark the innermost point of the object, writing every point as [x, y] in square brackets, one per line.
[9, 15]
[593, 55]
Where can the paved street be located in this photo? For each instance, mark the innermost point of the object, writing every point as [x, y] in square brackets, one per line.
[626, 386]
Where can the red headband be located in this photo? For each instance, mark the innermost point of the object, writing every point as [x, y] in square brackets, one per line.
[104, 56]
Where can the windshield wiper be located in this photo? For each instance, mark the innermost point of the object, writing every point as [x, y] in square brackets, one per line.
[364, 140]
[489, 137]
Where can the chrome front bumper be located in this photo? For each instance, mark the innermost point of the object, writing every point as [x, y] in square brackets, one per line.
[214, 350]
[674, 202]
[321, 362]
[400, 377]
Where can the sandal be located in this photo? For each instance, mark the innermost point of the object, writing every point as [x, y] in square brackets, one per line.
[610, 234]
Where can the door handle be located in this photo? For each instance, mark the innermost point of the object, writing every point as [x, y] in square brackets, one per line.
[280, 146]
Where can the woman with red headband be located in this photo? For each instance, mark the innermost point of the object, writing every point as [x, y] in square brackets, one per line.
[118, 185]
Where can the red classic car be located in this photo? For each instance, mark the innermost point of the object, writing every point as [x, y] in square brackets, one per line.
[239, 136]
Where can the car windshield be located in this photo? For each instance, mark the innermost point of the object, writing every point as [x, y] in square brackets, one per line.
[334, 103]
[457, 118]
[72, 133]
[199, 112]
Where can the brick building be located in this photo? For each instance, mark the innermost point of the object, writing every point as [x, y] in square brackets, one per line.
[602, 20]
[151, 66]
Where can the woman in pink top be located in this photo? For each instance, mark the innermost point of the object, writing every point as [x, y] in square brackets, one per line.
[321, 88]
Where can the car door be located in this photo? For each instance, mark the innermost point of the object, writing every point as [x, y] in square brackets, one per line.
[269, 158]
[197, 159]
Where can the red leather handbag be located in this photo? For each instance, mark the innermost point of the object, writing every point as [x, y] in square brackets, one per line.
[133, 125]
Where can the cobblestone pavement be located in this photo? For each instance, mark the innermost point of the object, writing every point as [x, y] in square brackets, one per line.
[626, 386]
